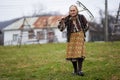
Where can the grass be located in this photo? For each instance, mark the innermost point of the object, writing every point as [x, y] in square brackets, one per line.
[47, 62]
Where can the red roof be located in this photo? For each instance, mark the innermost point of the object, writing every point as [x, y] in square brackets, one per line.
[47, 21]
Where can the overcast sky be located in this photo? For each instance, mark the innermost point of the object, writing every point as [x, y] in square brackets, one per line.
[10, 9]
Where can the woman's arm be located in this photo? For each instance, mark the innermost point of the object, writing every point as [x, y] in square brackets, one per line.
[61, 25]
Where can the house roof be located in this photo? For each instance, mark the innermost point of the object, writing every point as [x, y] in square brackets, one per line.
[4, 24]
[18, 24]
[35, 22]
[47, 21]
[42, 22]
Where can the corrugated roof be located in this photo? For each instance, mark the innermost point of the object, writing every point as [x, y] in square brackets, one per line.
[35, 22]
[14, 25]
[28, 23]
[47, 21]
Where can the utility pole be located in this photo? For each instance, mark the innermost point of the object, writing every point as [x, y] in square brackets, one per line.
[106, 20]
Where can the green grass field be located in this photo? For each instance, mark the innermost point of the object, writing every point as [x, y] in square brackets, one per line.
[47, 62]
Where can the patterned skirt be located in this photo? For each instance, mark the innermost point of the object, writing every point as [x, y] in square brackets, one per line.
[76, 47]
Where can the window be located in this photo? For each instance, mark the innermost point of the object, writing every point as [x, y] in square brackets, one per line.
[50, 36]
[40, 35]
[31, 34]
[15, 37]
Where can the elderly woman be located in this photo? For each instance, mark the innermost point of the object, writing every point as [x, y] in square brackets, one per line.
[76, 25]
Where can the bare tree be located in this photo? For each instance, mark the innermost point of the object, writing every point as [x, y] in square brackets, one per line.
[37, 9]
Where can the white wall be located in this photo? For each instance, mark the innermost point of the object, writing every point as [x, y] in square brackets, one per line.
[59, 36]
[8, 37]
[87, 36]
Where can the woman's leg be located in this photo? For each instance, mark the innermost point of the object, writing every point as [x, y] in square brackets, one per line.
[75, 66]
[80, 62]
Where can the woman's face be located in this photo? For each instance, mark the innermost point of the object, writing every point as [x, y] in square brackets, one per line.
[73, 11]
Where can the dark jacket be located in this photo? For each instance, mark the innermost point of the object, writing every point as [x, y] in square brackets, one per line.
[68, 24]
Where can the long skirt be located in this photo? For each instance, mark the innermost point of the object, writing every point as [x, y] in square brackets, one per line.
[76, 47]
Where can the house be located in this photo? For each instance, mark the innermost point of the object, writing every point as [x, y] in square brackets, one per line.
[33, 30]
[36, 30]
[3, 25]
[96, 32]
